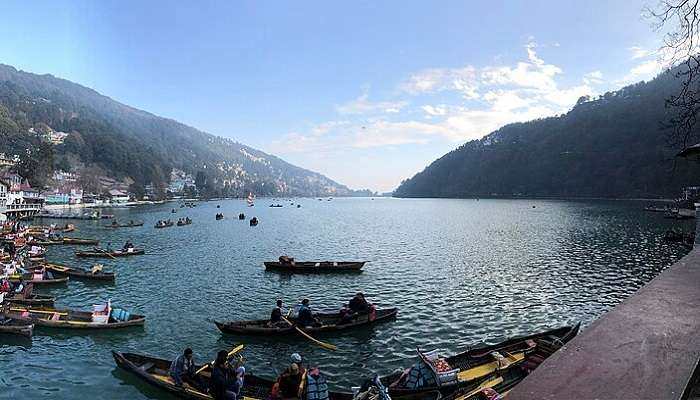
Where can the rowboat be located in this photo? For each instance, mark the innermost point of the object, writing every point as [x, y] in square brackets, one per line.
[9, 326]
[183, 223]
[28, 298]
[496, 386]
[129, 225]
[330, 322]
[315, 266]
[73, 241]
[155, 372]
[468, 370]
[77, 273]
[44, 280]
[107, 254]
[166, 224]
[69, 319]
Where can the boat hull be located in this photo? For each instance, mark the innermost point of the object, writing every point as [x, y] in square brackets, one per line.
[315, 266]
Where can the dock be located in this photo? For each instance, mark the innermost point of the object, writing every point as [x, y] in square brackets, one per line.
[647, 347]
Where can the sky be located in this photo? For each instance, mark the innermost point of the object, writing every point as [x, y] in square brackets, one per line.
[367, 93]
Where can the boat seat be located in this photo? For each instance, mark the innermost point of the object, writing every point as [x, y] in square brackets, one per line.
[147, 366]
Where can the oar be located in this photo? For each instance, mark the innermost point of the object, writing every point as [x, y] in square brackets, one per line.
[230, 353]
[106, 252]
[326, 346]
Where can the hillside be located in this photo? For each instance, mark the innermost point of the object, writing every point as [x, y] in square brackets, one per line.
[614, 146]
[127, 143]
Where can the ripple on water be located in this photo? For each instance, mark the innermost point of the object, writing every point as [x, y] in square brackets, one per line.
[461, 272]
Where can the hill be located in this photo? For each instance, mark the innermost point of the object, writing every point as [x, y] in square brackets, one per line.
[134, 145]
[614, 146]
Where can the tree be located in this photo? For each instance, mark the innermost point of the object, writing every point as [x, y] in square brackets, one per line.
[681, 19]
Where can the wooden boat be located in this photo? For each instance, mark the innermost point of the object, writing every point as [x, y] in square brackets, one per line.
[9, 326]
[166, 224]
[77, 273]
[29, 278]
[69, 319]
[70, 240]
[254, 221]
[108, 254]
[73, 241]
[330, 322]
[28, 298]
[128, 225]
[155, 372]
[468, 370]
[183, 223]
[315, 266]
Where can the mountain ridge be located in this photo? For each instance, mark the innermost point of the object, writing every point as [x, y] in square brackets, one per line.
[102, 131]
[614, 146]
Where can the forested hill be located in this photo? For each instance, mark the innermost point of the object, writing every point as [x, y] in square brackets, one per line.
[128, 143]
[612, 146]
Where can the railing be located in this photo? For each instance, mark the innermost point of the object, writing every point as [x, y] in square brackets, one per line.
[23, 207]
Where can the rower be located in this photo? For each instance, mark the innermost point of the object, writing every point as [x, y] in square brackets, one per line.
[358, 304]
[222, 378]
[305, 317]
[276, 315]
[128, 245]
[182, 368]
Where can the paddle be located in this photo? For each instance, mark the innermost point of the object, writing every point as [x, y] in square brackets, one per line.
[230, 353]
[324, 345]
[105, 252]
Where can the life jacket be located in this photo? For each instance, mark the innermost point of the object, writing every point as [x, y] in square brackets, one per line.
[419, 376]
[316, 386]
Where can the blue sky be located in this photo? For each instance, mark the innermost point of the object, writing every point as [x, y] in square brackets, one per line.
[366, 92]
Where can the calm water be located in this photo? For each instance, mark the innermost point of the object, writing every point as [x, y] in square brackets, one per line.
[461, 272]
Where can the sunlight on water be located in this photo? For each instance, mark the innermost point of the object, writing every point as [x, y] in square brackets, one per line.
[460, 271]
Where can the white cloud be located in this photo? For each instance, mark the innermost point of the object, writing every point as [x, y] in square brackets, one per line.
[593, 78]
[463, 80]
[640, 52]
[437, 110]
[362, 105]
[643, 71]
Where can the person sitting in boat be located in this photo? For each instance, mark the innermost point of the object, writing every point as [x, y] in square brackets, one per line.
[358, 304]
[115, 223]
[128, 245]
[5, 286]
[305, 316]
[286, 260]
[276, 315]
[131, 222]
[182, 368]
[289, 382]
[221, 378]
[345, 315]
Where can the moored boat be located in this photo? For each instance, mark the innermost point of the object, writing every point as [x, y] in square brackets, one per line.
[110, 253]
[71, 240]
[155, 372]
[330, 322]
[101, 318]
[9, 326]
[127, 225]
[28, 298]
[38, 278]
[467, 371]
[95, 274]
[291, 266]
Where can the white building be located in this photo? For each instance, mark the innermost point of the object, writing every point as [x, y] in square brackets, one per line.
[118, 196]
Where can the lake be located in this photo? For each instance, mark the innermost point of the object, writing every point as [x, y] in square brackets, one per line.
[461, 272]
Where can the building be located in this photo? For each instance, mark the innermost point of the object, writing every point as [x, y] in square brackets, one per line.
[56, 137]
[118, 196]
[22, 199]
[65, 195]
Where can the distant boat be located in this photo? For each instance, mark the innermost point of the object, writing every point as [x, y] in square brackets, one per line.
[250, 199]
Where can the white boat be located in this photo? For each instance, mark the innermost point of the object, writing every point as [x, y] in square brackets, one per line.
[250, 199]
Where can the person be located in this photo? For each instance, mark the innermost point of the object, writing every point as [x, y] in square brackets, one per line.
[182, 367]
[128, 245]
[221, 378]
[305, 316]
[115, 223]
[345, 315]
[358, 304]
[289, 382]
[276, 314]
[296, 359]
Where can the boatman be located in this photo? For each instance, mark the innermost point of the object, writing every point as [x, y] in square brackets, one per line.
[305, 317]
[276, 315]
[182, 367]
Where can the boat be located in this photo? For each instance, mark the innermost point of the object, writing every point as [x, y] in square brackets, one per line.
[275, 205]
[254, 221]
[77, 273]
[164, 224]
[128, 225]
[250, 200]
[27, 298]
[468, 370]
[155, 372]
[72, 240]
[183, 222]
[330, 322]
[9, 326]
[110, 253]
[495, 386]
[219, 217]
[38, 278]
[72, 319]
[241, 216]
[292, 266]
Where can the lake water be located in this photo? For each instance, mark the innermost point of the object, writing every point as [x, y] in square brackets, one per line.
[461, 272]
